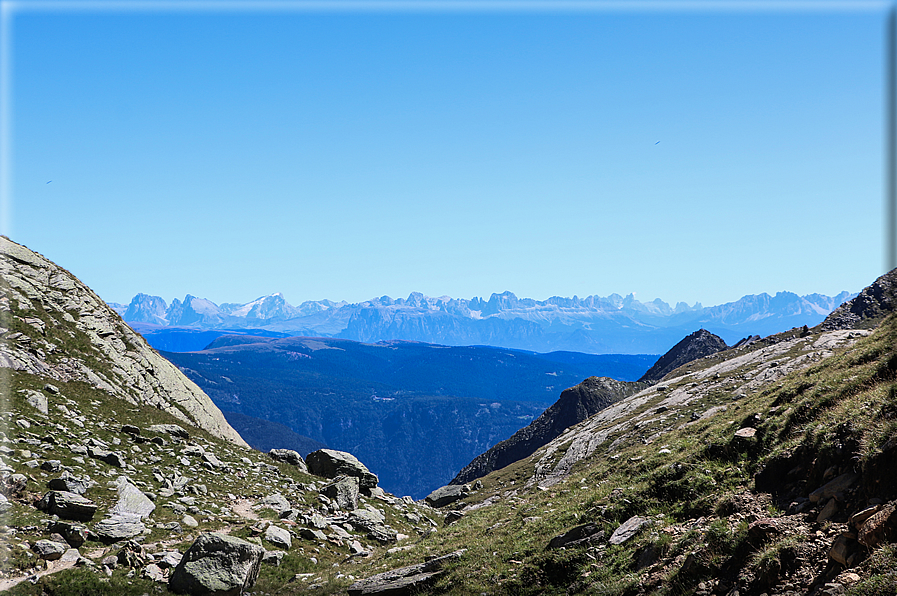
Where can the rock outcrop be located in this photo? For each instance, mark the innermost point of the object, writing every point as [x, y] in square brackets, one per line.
[574, 405]
[57, 328]
[872, 305]
[697, 345]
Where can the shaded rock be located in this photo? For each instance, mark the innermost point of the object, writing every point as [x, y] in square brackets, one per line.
[310, 534]
[71, 483]
[343, 491]
[49, 550]
[273, 557]
[288, 456]
[74, 534]
[879, 527]
[829, 511]
[113, 458]
[217, 565]
[51, 465]
[67, 505]
[405, 580]
[452, 516]
[278, 537]
[761, 530]
[130, 429]
[372, 523]
[330, 463]
[578, 535]
[838, 485]
[446, 495]
[842, 550]
[628, 529]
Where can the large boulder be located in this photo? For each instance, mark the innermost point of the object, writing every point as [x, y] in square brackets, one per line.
[330, 463]
[67, 505]
[217, 565]
[446, 495]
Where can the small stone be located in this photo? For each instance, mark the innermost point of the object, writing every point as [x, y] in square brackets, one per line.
[278, 536]
[190, 521]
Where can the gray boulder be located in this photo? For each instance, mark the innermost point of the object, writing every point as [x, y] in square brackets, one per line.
[446, 495]
[288, 456]
[131, 501]
[277, 502]
[71, 483]
[67, 505]
[113, 458]
[343, 491]
[49, 549]
[628, 529]
[36, 399]
[330, 463]
[405, 580]
[217, 565]
[118, 527]
[278, 536]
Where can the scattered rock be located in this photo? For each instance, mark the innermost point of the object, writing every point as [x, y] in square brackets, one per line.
[74, 534]
[277, 502]
[36, 400]
[838, 485]
[219, 565]
[172, 429]
[452, 516]
[273, 557]
[829, 511]
[118, 527]
[879, 527]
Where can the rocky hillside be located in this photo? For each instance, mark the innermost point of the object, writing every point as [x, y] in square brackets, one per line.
[763, 469]
[56, 327]
[574, 405]
[696, 345]
[118, 476]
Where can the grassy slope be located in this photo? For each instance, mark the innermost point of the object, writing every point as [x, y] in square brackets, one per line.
[838, 414]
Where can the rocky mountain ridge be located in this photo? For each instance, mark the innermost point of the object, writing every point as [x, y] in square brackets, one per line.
[601, 325]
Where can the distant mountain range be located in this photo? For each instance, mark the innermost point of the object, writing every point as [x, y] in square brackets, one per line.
[595, 325]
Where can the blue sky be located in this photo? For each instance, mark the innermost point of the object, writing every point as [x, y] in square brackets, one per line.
[357, 152]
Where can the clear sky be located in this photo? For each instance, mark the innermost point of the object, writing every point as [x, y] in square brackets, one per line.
[676, 150]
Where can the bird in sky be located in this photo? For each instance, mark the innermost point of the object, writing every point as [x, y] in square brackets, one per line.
[49, 181]
[657, 142]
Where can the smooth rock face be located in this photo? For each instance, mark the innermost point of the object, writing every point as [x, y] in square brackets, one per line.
[330, 463]
[67, 505]
[343, 491]
[137, 373]
[217, 565]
